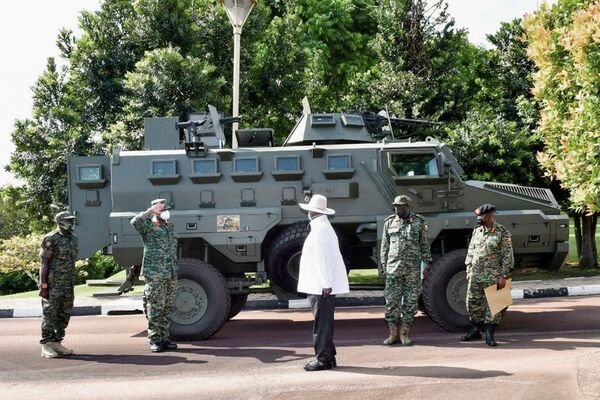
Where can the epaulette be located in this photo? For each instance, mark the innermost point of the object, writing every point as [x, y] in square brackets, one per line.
[419, 216]
[389, 217]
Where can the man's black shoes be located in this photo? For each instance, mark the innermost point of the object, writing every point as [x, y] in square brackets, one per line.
[316, 365]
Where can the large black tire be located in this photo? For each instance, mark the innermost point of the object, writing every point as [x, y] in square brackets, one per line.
[238, 301]
[203, 301]
[283, 259]
[445, 292]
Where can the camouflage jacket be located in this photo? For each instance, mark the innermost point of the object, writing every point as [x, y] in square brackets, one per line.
[404, 244]
[490, 251]
[62, 253]
[160, 247]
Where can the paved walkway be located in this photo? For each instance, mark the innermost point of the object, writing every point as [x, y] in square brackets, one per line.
[131, 303]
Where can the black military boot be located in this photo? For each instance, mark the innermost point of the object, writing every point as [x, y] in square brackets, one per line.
[490, 330]
[473, 334]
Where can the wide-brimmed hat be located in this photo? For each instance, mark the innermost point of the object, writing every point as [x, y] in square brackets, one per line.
[318, 204]
[401, 200]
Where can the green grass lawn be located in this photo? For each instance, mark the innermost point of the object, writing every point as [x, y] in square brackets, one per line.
[84, 290]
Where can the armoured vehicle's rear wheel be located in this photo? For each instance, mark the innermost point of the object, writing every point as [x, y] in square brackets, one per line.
[283, 261]
[203, 301]
[445, 291]
[238, 301]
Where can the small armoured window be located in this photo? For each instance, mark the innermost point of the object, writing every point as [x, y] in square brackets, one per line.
[245, 165]
[322, 120]
[163, 167]
[206, 166]
[287, 163]
[341, 161]
[90, 172]
[352, 120]
[163, 172]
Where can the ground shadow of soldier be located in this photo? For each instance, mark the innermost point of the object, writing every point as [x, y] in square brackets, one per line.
[134, 359]
[267, 356]
[427, 371]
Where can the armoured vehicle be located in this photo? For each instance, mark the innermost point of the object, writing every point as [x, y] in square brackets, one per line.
[237, 217]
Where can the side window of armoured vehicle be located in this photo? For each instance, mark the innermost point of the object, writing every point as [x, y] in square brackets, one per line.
[287, 163]
[205, 166]
[163, 167]
[407, 164]
[245, 165]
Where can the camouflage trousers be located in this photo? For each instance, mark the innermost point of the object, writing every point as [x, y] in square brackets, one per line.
[477, 305]
[401, 294]
[56, 310]
[159, 304]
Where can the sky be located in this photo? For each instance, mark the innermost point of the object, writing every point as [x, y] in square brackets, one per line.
[28, 31]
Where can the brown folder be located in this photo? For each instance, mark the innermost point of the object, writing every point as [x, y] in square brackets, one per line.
[498, 300]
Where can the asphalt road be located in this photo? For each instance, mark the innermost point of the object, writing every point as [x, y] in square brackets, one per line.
[549, 349]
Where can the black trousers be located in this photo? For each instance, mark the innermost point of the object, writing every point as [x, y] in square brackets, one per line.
[323, 309]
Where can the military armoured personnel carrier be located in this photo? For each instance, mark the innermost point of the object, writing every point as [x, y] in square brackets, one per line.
[237, 217]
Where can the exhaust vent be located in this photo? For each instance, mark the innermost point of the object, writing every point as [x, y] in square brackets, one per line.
[539, 194]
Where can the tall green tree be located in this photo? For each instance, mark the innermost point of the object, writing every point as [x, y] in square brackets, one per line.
[564, 43]
[43, 144]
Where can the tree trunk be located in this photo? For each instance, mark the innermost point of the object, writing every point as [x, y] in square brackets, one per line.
[577, 226]
[586, 257]
[594, 247]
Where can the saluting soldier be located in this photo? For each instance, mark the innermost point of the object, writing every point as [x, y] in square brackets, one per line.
[57, 269]
[489, 259]
[404, 245]
[159, 268]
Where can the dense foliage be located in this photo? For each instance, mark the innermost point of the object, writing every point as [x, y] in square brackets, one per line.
[564, 43]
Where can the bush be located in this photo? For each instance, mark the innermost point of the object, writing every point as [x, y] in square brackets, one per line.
[101, 267]
[20, 264]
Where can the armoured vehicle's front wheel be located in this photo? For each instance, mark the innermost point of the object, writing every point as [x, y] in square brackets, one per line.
[283, 261]
[203, 301]
[445, 291]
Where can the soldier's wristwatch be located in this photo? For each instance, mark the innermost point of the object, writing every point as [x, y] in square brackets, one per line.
[44, 286]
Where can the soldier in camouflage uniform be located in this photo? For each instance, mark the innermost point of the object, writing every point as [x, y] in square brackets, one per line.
[159, 268]
[58, 254]
[404, 245]
[489, 259]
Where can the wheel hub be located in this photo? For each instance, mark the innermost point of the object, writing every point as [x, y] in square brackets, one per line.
[191, 302]
[456, 293]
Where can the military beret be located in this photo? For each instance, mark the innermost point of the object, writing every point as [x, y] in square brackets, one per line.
[63, 215]
[401, 200]
[485, 209]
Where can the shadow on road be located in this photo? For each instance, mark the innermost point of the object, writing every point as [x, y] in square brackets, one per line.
[134, 359]
[425, 372]
[261, 354]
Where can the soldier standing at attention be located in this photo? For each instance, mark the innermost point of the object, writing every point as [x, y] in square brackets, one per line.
[489, 259]
[322, 275]
[159, 268]
[58, 254]
[404, 245]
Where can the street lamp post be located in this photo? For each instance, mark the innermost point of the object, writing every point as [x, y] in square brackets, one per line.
[238, 12]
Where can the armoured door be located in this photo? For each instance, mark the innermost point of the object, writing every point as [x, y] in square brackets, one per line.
[90, 200]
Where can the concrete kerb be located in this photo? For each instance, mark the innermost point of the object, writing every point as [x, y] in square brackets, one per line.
[133, 305]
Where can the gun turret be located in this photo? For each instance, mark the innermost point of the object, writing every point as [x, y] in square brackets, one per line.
[204, 131]
[374, 124]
